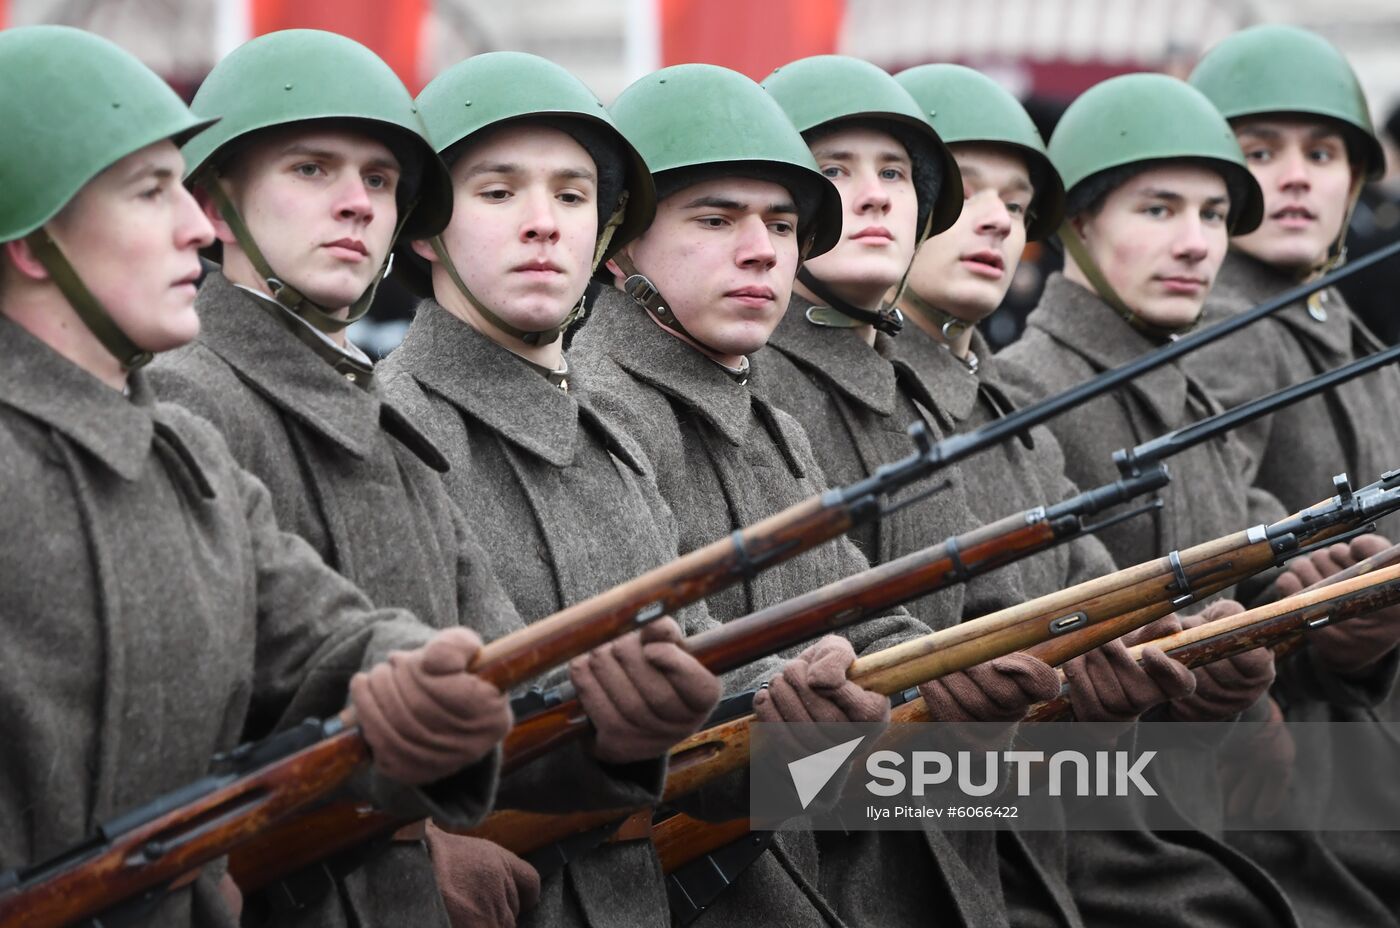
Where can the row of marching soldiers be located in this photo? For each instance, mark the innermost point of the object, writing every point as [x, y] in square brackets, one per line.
[222, 517]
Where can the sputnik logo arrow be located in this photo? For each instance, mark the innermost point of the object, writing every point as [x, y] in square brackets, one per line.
[814, 771]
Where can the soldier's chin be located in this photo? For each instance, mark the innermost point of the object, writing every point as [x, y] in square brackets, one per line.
[174, 331]
[741, 338]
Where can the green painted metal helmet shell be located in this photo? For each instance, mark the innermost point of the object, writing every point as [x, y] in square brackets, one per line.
[690, 117]
[491, 90]
[1141, 119]
[74, 105]
[1284, 69]
[967, 106]
[303, 75]
[823, 90]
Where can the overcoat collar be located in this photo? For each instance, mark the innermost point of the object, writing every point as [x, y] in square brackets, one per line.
[837, 356]
[1247, 281]
[115, 429]
[644, 350]
[931, 369]
[294, 378]
[501, 390]
[1086, 325]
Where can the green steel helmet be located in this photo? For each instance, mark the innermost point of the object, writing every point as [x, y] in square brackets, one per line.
[300, 75]
[824, 90]
[968, 106]
[1134, 121]
[1284, 69]
[96, 104]
[695, 120]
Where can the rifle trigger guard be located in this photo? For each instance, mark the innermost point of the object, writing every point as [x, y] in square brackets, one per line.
[1182, 583]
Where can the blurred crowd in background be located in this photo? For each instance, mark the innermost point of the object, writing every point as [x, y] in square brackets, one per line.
[1044, 51]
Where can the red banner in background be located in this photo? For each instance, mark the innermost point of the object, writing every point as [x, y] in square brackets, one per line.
[751, 36]
[4, 13]
[393, 30]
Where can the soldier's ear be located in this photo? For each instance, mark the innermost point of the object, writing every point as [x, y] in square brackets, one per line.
[210, 209]
[20, 257]
[424, 249]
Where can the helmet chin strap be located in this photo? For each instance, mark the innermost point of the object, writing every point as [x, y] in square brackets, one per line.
[640, 288]
[532, 337]
[297, 302]
[838, 313]
[92, 313]
[1080, 253]
[949, 325]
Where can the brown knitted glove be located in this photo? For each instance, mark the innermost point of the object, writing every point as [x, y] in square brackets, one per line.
[812, 687]
[424, 715]
[643, 693]
[483, 885]
[1224, 688]
[1000, 690]
[1353, 646]
[1108, 686]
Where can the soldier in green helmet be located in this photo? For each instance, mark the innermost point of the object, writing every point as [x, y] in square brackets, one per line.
[545, 188]
[155, 614]
[316, 164]
[1302, 123]
[1011, 193]
[666, 356]
[1154, 187]
[832, 365]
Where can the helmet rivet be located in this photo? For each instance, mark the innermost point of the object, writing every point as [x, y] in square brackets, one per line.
[662, 81]
[116, 106]
[287, 87]
[468, 103]
[933, 112]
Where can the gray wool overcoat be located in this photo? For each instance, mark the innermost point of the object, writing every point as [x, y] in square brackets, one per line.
[1148, 878]
[350, 474]
[151, 606]
[725, 457]
[566, 508]
[1348, 877]
[855, 402]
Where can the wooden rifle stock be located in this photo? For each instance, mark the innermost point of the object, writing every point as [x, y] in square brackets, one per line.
[1365, 587]
[680, 839]
[852, 599]
[1055, 627]
[721, 749]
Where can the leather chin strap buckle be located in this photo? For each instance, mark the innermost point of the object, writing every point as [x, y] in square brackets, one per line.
[889, 320]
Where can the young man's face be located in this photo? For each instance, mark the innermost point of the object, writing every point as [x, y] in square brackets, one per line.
[320, 204]
[966, 270]
[524, 226]
[1302, 166]
[1159, 240]
[724, 253]
[880, 210]
[133, 235]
